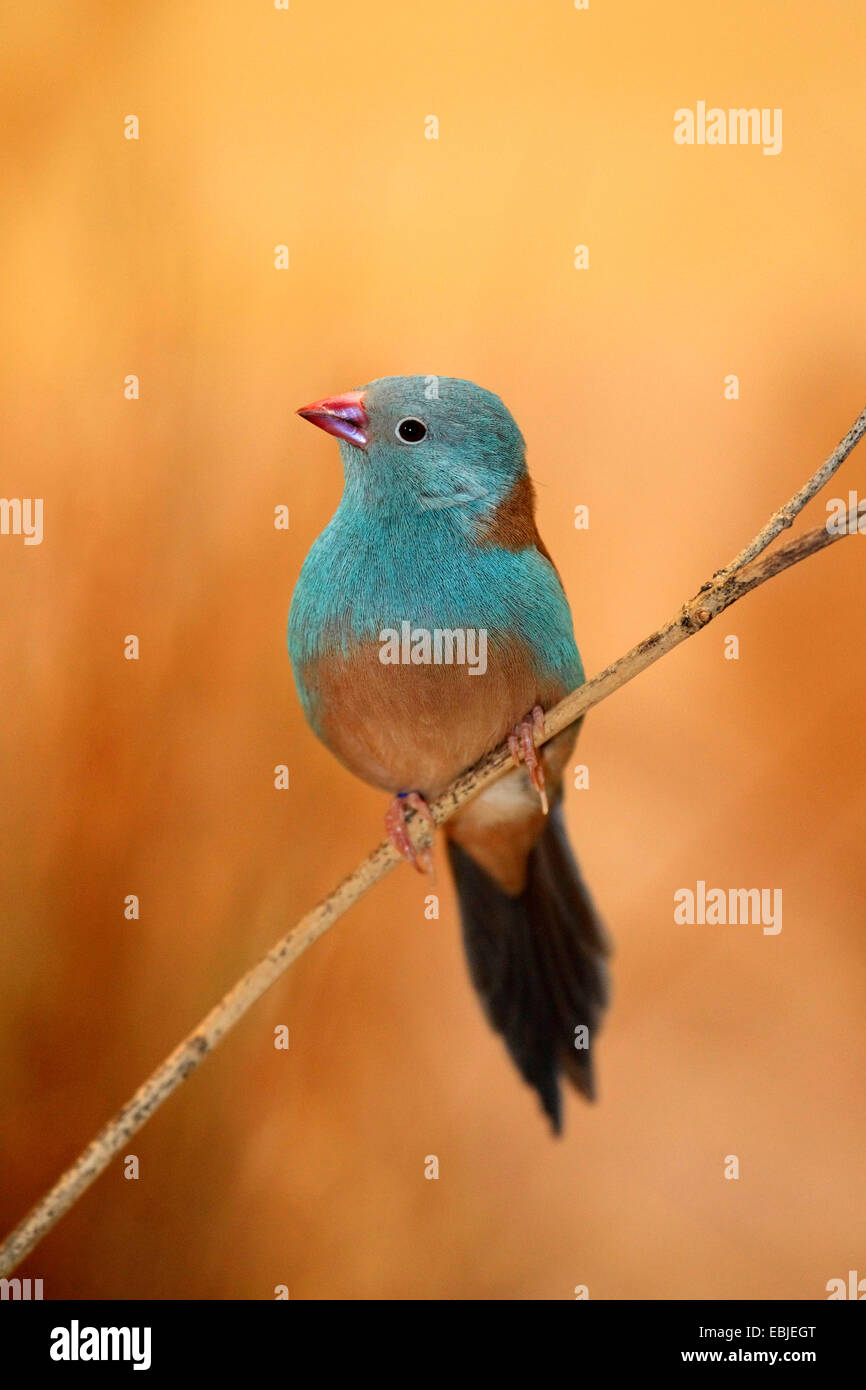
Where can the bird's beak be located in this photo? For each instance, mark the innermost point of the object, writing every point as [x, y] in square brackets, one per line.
[343, 416]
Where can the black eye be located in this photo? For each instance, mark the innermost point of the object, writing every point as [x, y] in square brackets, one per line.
[411, 430]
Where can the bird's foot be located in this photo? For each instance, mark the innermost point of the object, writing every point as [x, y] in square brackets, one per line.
[398, 831]
[521, 743]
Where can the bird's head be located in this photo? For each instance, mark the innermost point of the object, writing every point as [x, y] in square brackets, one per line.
[424, 442]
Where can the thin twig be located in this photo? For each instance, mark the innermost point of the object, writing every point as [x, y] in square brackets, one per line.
[783, 518]
[726, 587]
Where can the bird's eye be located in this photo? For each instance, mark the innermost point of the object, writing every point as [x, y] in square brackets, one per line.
[411, 430]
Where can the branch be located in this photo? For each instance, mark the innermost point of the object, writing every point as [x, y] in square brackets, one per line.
[783, 518]
[743, 574]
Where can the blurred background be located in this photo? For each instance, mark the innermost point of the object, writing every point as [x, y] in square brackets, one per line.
[155, 257]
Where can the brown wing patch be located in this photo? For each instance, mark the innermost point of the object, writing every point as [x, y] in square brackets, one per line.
[512, 525]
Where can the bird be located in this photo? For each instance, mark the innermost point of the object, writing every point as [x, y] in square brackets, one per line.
[436, 533]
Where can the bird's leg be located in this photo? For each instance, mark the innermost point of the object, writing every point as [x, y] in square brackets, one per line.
[398, 832]
[521, 740]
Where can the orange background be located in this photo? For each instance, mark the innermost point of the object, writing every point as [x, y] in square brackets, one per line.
[454, 256]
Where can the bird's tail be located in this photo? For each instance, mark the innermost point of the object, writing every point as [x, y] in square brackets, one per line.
[537, 960]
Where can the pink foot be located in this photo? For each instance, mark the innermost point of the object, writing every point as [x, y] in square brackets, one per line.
[521, 740]
[398, 832]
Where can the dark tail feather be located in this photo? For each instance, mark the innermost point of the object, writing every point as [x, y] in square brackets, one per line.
[538, 962]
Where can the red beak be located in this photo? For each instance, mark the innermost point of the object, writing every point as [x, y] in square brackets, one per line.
[343, 416]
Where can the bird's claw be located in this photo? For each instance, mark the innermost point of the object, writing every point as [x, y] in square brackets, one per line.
[398, 831]
[521, 742]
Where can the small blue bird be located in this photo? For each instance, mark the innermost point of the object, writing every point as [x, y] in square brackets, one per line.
[428, 625]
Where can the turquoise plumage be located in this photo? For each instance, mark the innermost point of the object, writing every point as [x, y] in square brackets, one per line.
[435, 534]
[368, 571]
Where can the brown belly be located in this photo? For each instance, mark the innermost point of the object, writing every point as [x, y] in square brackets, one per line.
[414, 728]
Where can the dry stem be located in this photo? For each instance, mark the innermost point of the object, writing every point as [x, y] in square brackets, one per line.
[728, 585]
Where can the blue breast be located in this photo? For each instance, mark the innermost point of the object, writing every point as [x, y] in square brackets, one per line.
[366, 574]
